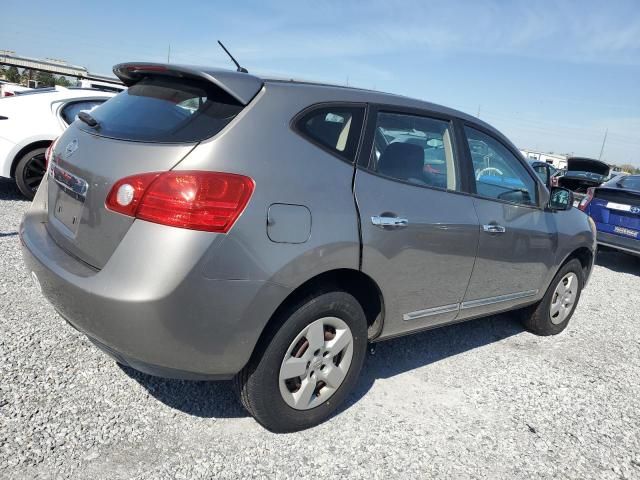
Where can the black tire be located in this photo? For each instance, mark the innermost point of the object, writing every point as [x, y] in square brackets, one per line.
[29, 172]
[258, 383]
[537, 318]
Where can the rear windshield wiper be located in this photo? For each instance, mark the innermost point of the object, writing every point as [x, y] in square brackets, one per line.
[88, 119]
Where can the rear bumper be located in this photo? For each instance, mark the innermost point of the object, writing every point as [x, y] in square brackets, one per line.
[181, 325]
[619, 242]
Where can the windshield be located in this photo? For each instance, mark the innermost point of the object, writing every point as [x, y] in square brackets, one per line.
[165, 110]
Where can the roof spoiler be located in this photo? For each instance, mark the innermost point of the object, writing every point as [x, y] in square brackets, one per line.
[241, 86]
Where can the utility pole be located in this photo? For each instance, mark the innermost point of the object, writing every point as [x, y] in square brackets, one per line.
[169, 54]
[478, 111]
[603, 142]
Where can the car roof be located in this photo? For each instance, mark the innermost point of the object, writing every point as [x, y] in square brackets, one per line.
[376, 96]
[243, 86]
[26, 105]
[49, 94]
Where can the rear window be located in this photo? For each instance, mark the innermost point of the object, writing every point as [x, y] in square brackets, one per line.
[618, 196]
[165, 110]
[629, 183]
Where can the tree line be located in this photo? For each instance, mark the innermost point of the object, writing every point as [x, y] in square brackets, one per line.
[44, 79]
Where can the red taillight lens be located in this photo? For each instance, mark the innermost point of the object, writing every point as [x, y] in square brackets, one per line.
[49, 153]
[208, 201]
[125, 195]
[584, 203]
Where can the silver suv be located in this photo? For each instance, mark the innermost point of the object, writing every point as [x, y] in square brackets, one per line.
[208, 224]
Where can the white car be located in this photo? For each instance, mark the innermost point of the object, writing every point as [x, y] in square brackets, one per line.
[8, 89]
[31, 121]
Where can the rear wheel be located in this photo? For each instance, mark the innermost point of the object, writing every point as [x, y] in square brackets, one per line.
[305, 369]
[29, 172]
[552, 314]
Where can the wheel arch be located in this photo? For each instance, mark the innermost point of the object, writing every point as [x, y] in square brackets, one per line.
[355, 282]
[585, 256]
[30, 146]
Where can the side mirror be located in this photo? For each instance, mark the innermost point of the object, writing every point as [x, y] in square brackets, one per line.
[560, 199]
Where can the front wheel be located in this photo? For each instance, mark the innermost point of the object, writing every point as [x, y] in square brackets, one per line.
[305, 369]
[552, 314]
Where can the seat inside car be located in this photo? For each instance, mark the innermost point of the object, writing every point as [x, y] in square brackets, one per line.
[404, 161]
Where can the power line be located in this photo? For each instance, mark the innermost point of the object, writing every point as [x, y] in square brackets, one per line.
[603, 142]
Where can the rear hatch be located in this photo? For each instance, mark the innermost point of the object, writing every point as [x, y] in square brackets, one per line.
[583, 173]
[616, 210]
[150, 127]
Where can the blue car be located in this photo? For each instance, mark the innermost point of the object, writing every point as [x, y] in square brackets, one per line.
[615, 208]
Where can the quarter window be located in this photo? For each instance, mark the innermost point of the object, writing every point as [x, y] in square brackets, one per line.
[414, 149]
[335, 128]
[497, 172]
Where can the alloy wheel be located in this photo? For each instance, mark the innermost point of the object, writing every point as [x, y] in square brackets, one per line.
[34, 171]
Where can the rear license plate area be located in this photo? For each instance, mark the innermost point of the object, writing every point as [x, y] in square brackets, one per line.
[70, 197]
[69, 211]
[618, 206]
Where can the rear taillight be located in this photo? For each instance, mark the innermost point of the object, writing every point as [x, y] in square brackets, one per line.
[209, 201]
[48, 153]
[584, 203]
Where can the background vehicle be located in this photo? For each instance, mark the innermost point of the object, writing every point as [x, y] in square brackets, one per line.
[30, 122]
[581, 174]
[615, 173]
[163, 233]
[10, 89]
[104, 86]
[555, 178]
[615, 208]
[546, 172]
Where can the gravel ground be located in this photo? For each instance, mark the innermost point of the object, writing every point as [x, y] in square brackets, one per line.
[482, 399]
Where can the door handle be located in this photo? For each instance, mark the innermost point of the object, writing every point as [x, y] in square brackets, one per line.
[392, 222]
[494, 228]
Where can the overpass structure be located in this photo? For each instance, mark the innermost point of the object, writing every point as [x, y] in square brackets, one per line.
[57, 67]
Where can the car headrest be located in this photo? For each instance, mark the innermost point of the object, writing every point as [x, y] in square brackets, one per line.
[404, 161]
[327, 132]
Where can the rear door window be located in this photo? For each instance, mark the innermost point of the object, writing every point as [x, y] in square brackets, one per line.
[414, 149]
[336, 128]
[165, 110]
